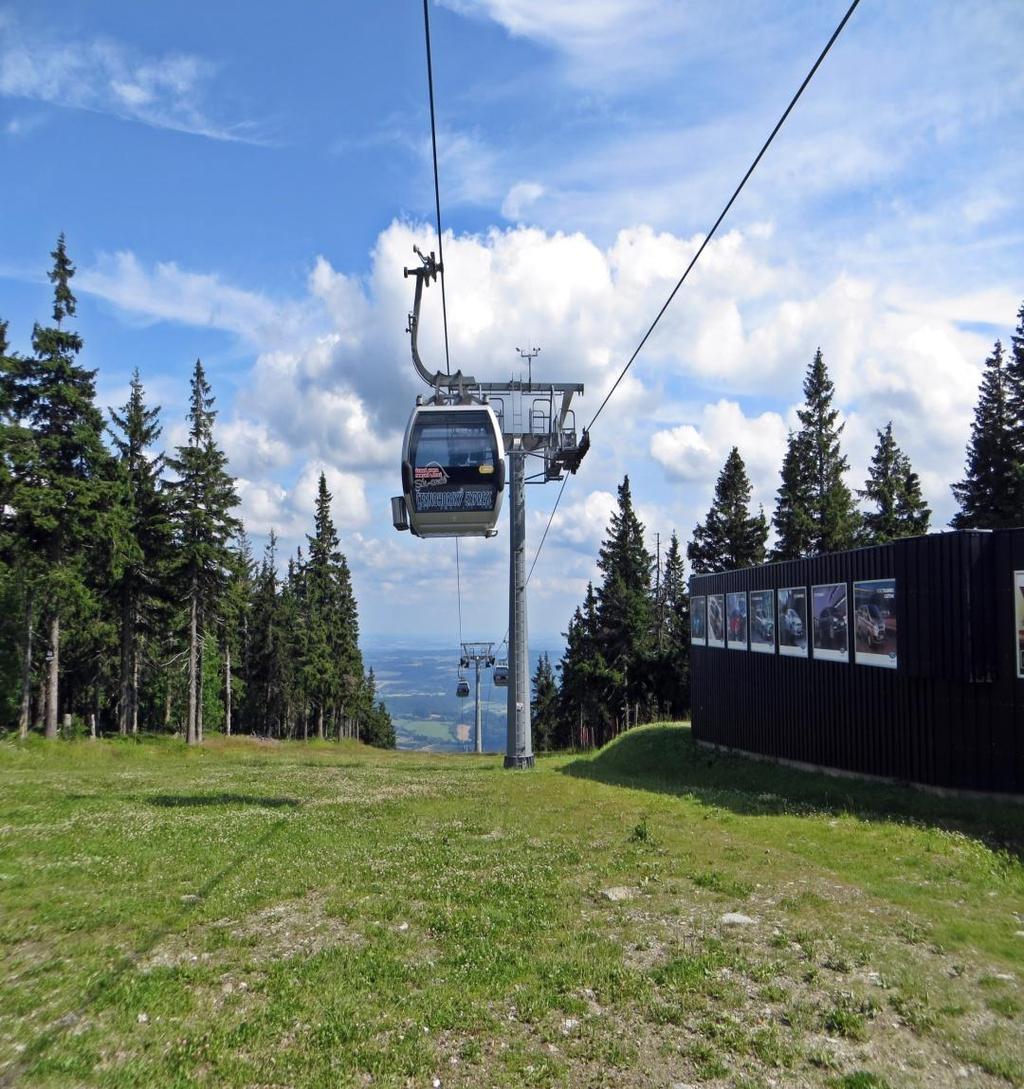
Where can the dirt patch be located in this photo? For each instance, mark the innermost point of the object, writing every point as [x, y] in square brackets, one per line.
[292, 928]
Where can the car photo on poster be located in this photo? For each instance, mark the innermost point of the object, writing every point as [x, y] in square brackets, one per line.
[698, 620]
[830, 622]
[736, 608]
[874, 623]
[793, 621]
[716, 620]
[762, 621]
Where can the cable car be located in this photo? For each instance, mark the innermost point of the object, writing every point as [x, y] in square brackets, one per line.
[453, 472]
[501, 675]
[462, 691]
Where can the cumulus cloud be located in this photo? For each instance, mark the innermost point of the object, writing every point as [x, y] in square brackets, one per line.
[519, 198]
[108, 76]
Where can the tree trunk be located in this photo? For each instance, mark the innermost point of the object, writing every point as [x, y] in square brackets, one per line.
[53, 667]
[167, 706]
[124, 688]
[193, 662]
[26, 674]
[135, 693]
[202, 692]
[227, 688]
[92, 727]
[320, 722]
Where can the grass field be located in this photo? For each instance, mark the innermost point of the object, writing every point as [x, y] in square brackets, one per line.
[319, 915]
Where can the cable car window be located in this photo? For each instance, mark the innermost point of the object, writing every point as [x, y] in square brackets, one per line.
[454, 461]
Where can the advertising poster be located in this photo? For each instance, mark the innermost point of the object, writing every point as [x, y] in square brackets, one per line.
[1018, 597]
[762, 621]
[736, 616]
[793, 621]
[874, 623]
[830, 623]
[716, 620]
[698, 620]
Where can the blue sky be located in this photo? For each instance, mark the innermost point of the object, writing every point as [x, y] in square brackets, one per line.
[245, 184]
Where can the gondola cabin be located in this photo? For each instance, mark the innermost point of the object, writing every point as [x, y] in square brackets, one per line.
[453, 472]
[501, 675]
[462, 689]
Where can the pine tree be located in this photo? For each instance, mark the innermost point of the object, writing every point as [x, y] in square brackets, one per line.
[815, 512]
[624, 611]
[673, 653]
[322, 663]
[988, 493]
[236, 610]
[793, 520]
[1015, 404]
[544, 705]
[143, 544]
[62, 491]
[730, 537]
[203, 497]
[265, 691]
[586, 687]
[895, 489]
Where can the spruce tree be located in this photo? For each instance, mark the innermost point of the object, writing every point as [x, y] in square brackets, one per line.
[544, 705]
[143, 544]
[793, 520]
[673, 652]
[323, 663]
[895, 489]
[625, 616]
[988, 493]
[1015, 403]
[815, 512]
[730, 537]
[586, 688]
[203, 497]
[61, 493]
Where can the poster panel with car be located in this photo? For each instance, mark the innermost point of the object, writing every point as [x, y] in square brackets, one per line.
[1018, 597]
[874, 623]
[698, 620]
[736, 620]
[762, 621]
[793, 621]
[830, 628]
[716, 620]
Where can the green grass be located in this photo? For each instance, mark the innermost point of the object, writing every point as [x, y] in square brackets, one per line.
[322, 915]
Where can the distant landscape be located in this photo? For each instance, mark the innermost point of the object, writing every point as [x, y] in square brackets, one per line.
[417, 684]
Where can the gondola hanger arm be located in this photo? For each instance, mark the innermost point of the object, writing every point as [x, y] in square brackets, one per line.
[429, 270]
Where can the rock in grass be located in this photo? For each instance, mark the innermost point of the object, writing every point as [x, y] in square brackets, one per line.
[618, 892]
[735, 918]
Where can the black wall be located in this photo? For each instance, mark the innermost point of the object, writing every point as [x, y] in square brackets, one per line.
[950, 714]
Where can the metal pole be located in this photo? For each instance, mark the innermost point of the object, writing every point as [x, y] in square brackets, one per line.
[479, 747]
[519, 744]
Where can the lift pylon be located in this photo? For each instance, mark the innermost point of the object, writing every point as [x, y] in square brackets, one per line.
[477, 655]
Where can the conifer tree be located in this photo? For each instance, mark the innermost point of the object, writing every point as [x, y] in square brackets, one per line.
[815, 512]
[325, 641]
[236, 611]
[1015, 404]
[544, 705]
[793, 520]
[624, 611]
[586, 685]
[730, 537]
[143, 544]
[673, 653]
[895, 489]
[62, 488]
[988, 493]
[203, 497]
[265, 692]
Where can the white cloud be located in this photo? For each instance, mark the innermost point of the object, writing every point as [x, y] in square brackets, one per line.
[110, 77]
[519, 198]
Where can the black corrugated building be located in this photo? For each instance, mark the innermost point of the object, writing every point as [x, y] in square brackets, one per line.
[909, 665]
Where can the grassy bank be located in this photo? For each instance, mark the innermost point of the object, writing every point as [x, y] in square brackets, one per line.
[304, 915]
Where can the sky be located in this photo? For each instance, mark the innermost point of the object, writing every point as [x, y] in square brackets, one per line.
[244, 184]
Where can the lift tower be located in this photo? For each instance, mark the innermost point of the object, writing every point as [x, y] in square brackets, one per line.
[477, 655]
[537, 421]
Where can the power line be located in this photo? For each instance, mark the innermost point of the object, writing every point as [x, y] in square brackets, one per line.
[437, 185]
[725, 210]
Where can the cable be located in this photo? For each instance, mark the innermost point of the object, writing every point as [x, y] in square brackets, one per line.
[725, 210]
[458, 586]
[437, 185]
[544, 535]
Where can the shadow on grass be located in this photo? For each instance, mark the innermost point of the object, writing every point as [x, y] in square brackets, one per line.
[173, 801]
[667, 760]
